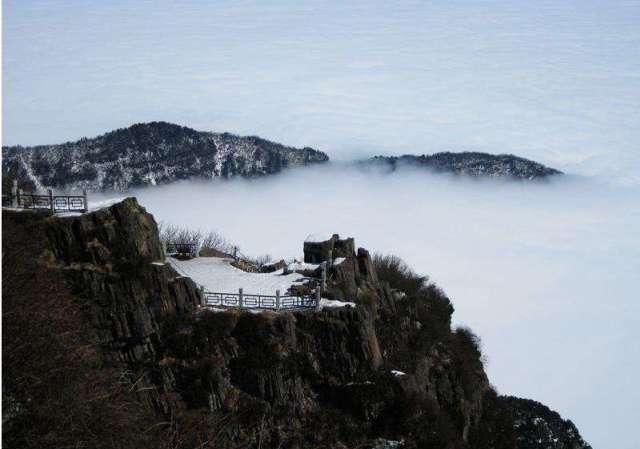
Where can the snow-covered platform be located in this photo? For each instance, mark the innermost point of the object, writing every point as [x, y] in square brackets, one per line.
[216, 274]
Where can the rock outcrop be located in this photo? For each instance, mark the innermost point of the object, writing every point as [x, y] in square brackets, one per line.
[113, 258]
[388, 371]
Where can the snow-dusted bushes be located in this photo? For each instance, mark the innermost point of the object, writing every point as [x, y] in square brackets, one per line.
[209, 244]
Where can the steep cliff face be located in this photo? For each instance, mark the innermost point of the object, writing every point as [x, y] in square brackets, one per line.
[149, 154]
[388, 369]
[66, 377]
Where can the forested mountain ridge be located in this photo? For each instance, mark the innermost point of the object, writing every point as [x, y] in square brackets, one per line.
[473, 164]
[149, 154]
[157, 153]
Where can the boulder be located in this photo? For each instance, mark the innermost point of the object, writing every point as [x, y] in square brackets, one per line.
[327, 250]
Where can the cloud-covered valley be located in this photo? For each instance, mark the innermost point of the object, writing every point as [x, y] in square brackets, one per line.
[546, 273]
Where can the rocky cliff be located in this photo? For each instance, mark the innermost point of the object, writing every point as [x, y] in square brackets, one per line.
[506, 166]
[149, 154]
[100, 333]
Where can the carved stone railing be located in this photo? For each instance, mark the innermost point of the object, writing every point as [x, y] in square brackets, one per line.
[252, 301]
[55, 203]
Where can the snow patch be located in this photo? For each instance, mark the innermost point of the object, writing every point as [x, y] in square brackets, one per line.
[216, 274]
[97, 205]
[302, 266]
[398, 373]
[331, 303]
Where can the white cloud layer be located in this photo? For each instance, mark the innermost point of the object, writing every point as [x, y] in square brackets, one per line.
[554, 81]
[547, 274]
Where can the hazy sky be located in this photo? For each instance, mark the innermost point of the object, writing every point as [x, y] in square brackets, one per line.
[552, 80]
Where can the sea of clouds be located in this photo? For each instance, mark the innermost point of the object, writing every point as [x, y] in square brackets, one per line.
[546, 273]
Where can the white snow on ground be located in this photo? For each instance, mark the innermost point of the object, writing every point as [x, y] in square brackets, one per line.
[333, 303]
[339, 260]
[216, 274]
[398, 373]
[96, 205]
[93, 206]
[302, 266]
[222, 310]
[18, 209]
[314, 238]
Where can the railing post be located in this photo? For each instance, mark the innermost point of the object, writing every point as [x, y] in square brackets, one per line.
[318, 296]
[50, 192]
[241, 298]
[324, 275]
[85, 200]
[19, 196]
[14, 193]
[277, 299]
[203, 301]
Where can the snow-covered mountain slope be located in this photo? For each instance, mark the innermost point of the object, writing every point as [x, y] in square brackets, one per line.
[471, 164]
[149, 154]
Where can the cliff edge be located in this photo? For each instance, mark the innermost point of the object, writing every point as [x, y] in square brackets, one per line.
[105, 345]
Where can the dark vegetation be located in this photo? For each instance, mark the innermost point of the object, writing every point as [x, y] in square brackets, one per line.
[148, 153]
[159, 153]
[425, 310]
[398, 274]
[473, 164]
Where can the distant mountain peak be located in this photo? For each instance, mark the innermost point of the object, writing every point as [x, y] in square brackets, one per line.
[474, 164]
[149, 154]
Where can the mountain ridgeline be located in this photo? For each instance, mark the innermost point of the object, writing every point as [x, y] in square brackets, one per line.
[474, 164]
[162, 153]
[149, 154]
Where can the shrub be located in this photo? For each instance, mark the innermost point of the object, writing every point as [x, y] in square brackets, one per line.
[398, 274]
[467, 356]
[470, 339]
[211, 243]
